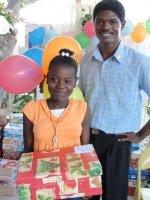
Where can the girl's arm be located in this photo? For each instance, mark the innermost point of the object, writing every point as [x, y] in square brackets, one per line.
[28, 135]
[85, 135]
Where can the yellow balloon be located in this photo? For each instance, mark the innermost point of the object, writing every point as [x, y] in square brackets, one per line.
[139, 33]
[76, 94]
[45, 90]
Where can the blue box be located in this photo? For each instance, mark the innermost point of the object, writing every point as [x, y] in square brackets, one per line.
[133, 174]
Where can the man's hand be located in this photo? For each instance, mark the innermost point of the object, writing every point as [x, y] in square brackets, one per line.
[130, 137]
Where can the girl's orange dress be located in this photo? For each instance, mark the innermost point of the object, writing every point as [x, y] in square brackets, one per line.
[68, 129]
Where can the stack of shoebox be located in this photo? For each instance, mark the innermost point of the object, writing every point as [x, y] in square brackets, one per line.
[59, 174]
[132, 177]
[12, 141]
[1, 137]
[3, 122]
[16, 118]
[8, 173]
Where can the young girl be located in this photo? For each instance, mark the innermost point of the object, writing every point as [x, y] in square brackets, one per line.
[57, 122]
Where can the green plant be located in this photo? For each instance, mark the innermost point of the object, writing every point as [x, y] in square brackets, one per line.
[86, 17]
[24, 2]
[147, 108]
[8, 14]
[20, 101]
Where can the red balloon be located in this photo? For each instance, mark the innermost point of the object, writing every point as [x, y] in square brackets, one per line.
[89, 29]
[19, 74]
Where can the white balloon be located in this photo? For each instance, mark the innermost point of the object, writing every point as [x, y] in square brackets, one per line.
[4, 25]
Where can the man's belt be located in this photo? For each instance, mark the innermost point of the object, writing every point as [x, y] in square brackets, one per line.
[96, 131]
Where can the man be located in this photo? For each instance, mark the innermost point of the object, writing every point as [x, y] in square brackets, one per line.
[112, 77]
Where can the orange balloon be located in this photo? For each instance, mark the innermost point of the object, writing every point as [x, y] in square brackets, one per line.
[139, 33]
[52, 49]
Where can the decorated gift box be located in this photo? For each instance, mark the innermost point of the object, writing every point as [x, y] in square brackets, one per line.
[8, 173]
[59, 174]
[10, 154]
[13, 143]
[133, 180]
[7, 190]
[134, 159]
[16, 118]
[8, 180]
[13, 129]
[132, 186]
[8, 167]
[133, 174]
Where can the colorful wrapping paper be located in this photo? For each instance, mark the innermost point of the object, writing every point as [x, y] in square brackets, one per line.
[13, 129]
[10, 154]
[16, 118]
[8, 173]
[59, 174]
[8, 167]
[12, 141]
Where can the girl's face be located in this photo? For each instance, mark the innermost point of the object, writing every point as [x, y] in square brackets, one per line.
[61, 80]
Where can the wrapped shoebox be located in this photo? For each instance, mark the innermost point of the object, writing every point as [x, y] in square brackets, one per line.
[1, 140]
[8, 180]
[10, 154]
[134, 159]
[12, 141]
[133, 180]
[7, 191]
[16, 118]
[132, 186]
[133, 174]
[13, 129]
[59, 174]
[8, 173]
[8, 167]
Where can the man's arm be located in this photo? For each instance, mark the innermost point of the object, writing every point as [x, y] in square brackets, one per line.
[139, 136]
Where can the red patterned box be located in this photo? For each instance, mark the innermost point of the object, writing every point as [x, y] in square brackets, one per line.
[60, 174]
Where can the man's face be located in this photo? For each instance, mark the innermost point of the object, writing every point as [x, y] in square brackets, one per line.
[108, 27]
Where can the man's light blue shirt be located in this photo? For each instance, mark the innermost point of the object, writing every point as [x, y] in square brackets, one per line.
[113, 87]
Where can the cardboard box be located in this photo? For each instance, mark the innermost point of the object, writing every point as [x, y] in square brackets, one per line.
[60, 174]
[8, 167]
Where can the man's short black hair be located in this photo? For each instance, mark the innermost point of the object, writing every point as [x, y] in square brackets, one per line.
[113, 5]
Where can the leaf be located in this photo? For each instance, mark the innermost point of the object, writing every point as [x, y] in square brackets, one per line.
[41, 197]
[49, 198]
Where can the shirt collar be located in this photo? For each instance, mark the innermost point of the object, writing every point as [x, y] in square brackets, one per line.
[119, 53]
